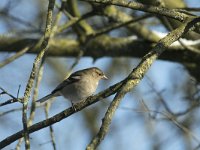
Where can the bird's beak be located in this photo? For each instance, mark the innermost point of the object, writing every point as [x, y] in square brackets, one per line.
[104, 77]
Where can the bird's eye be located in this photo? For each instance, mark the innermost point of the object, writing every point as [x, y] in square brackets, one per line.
[100, 74]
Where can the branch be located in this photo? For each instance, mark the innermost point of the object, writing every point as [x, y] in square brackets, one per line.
[136, 76]
[132, 80]
[116, 26]
[13, 100]
[102, 46]
[137, 28]
[62, 115]
[33, 103]
[10, 101]
[34, 71]
[146, 8]
[46, 109]
[14, 57]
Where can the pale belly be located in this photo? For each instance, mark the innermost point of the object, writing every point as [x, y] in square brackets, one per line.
[76, 93]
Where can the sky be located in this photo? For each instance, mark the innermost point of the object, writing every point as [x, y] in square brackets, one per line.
[73, 132]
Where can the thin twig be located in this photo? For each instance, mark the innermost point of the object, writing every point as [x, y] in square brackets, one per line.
[187, 47]
[74, 64]
[159, 95]
[33, 103]
[17, 19]
[10, 101]
[74, 20]
[18, 91]
[38, 79]
[10, 111]
[17, 109]
[44, 47]
[146, 8]
[47, 107]
[190, 48]
[13, 100]
[14, 57]
[168, 116]
[191, 8]
[117, 25]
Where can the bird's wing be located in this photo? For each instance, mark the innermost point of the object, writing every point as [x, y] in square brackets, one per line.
[71, 79]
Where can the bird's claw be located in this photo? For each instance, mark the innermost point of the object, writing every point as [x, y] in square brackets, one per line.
[74, 108]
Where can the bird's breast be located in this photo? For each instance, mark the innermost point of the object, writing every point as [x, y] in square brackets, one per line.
[88, 87]
[80, 90]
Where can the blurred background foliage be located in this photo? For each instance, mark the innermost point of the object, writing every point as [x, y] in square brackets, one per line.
[161, 113]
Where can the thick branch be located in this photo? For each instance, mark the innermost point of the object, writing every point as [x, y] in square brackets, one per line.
[134, 78]
[60, 116]
[102, 46]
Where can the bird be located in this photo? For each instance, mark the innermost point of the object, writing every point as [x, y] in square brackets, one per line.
[78, 86]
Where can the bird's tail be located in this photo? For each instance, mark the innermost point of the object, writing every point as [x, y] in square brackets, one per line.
[45, 98]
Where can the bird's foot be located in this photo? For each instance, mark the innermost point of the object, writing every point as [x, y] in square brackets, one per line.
[74, 108]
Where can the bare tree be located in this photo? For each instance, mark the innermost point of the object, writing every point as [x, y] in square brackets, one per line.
[122, 31]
